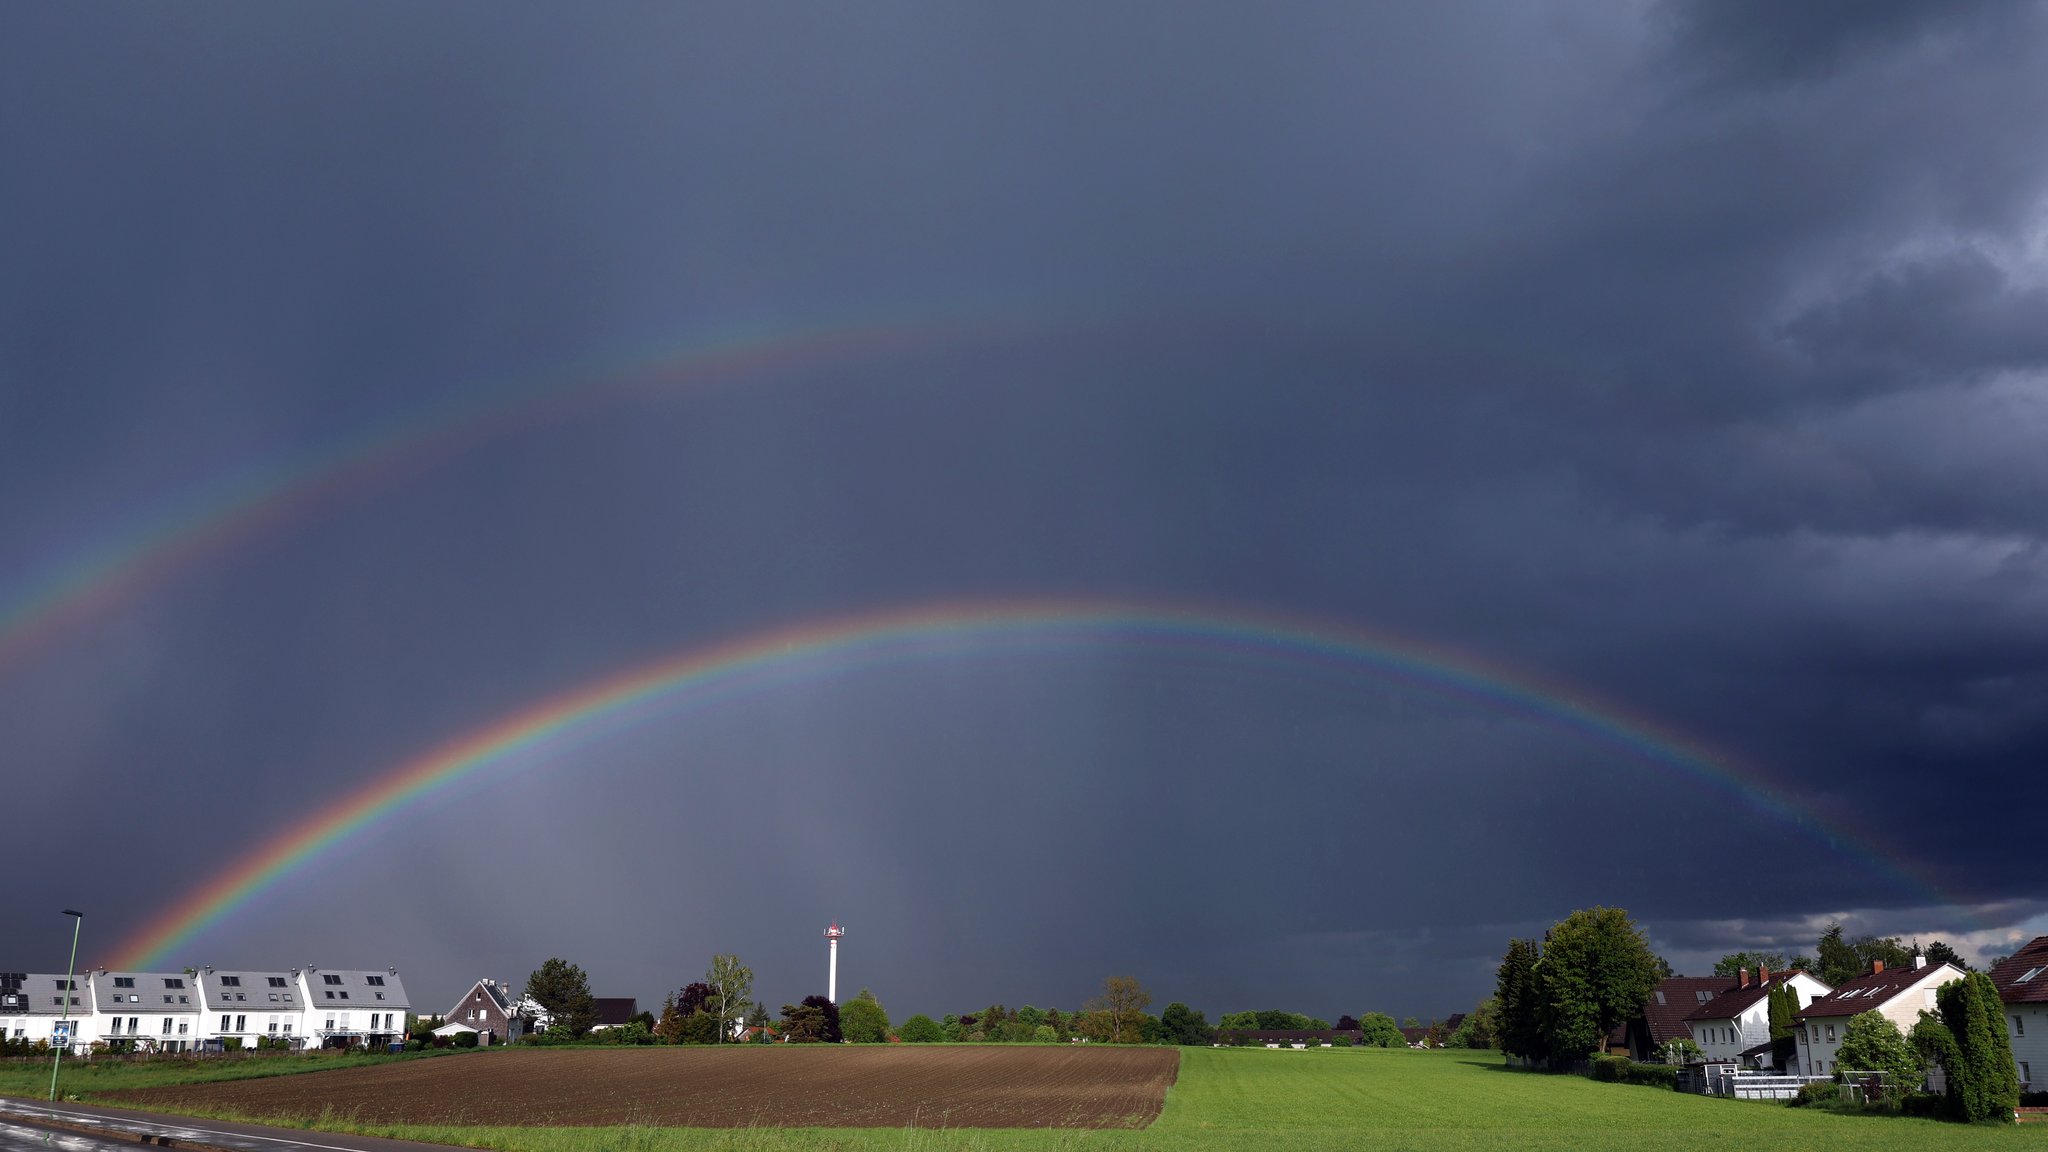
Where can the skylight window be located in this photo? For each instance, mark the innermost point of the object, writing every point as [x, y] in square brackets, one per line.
[2031, 973]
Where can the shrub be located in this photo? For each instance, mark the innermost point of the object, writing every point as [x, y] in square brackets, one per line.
[1610, 1068]
[465, 1039]
[1819, 1092]
[1654, 1075]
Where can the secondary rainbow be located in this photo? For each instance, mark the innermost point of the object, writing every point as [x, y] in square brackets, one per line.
[79, 588]
[841, 645]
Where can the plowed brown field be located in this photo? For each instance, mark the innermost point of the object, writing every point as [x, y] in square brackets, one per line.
[781, 1087]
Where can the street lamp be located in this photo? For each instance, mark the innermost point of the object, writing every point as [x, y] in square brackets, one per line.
[70, 987]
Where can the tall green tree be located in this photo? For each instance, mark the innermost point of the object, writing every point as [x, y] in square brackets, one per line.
[731, 985]
[1784, 1004]
[1837, 959]
[1518, 991]
[1478, 1028]
[563, 992]
[1871, 1043]
[1183, 1025]
[922, 1029]
[1734, 962]
[1378, 1030]
[863, 1021]
[1597, 970]
[1983, 1082]
[1940, 953]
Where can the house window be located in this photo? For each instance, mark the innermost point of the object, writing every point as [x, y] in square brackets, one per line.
[287, 997]
[376, 980]
[330, 979]
[330, 995]
[287, 1027]
[167, 1025]
[1831, 1033]
[167, 998]
[2026, 1073]
[124, 981]
[241, 996]
[241, 1023]
[276, 981]
[2019, 1026]
[182, 1026]
[224, 1024]
[173, 982]
[273, 1025]
[380, 995]
[273, 997]
[231, 981]
[343, 994]
[66, 985]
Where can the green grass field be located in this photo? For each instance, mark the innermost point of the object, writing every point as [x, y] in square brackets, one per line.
[1338, 1098]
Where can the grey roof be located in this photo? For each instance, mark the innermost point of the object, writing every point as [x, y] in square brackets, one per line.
[275, 991]
[147, 992]
[41, 992]
[355, 988]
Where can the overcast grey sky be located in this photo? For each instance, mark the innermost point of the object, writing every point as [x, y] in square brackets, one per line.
[1693, 358]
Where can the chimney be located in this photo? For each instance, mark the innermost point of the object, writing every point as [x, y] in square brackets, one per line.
[1919, 961]
[1763, 973]
[1876, 966]
[1742, 975]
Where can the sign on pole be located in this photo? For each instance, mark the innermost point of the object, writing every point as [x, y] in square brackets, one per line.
[61, 1034]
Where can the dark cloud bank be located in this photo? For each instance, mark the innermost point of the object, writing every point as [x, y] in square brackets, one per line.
[1690, 355]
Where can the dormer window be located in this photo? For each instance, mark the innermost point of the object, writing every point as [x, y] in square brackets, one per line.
[231, 981]
[375, 980]
[173, 982]
[124, 981]
[329, 978]
[276, 981]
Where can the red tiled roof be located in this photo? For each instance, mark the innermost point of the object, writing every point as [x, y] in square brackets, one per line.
[2007, 975]
[1732, 1003]
[1675, 999]
[1875, 989]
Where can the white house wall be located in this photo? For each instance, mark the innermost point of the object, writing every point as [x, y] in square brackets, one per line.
[2026, 1025]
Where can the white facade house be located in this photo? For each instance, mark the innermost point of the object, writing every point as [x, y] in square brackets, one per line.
[2022, 983]
[32, 1006]
[1898, 994]
[1736, 1023]
[245, 1007]
[347, 1006]
[150, 1011]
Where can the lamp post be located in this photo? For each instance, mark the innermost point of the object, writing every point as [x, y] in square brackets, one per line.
[70, 987]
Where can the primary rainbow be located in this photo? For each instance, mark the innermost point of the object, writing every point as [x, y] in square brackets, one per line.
[841, 644]
[78, 588]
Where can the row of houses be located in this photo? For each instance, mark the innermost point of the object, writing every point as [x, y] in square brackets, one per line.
[205, 1008]
[1729, 1018]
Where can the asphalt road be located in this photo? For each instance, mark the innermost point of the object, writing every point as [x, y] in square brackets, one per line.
[121, 1127]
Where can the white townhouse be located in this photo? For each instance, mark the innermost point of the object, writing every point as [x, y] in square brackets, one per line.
[32, 1005]
[252, 1006]
[151, 1011]
[1897, 994]
[1736, 1025]
[2022, 982]
[346, 1006]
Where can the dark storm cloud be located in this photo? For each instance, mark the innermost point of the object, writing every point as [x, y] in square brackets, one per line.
[1686, 354]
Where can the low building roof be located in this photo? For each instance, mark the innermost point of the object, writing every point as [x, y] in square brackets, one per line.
[137, 992]
[613, 1011]
[2023, 977]
[1875, 989]
[1737, 1000]
[42, 994]
[1676, 997]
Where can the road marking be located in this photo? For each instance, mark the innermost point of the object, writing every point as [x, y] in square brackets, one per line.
[180, 1130]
